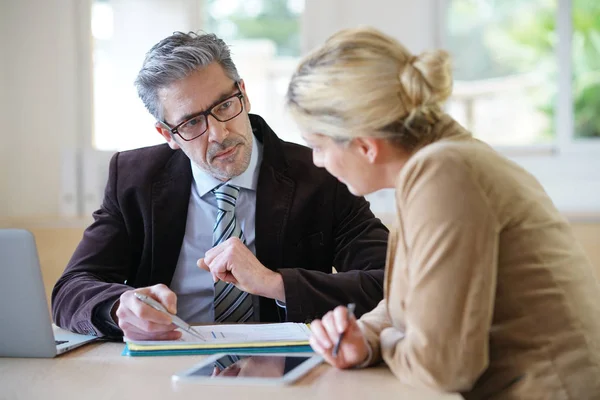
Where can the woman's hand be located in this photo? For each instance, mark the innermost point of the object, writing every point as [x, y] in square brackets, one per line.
[353, 350]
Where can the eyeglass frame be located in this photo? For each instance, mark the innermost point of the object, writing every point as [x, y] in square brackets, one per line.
[206, 113]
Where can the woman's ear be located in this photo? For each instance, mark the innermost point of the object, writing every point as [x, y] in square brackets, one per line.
[165, 133]
[368, 148]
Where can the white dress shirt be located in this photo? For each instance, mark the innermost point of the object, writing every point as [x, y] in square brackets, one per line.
[193, 286]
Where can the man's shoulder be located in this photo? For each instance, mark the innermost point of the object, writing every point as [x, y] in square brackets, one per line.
[145, 158]
[146, 153]
[300, 161]
[139, 165]
[293, 159]
[295, 152]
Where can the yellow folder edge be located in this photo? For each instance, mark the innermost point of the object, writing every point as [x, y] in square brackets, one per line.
[184, 346]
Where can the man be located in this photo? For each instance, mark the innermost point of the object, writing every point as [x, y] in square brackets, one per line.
[224, 223]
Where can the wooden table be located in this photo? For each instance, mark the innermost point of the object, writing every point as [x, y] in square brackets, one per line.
[98, 371]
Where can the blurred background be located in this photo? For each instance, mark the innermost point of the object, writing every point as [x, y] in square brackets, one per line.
[527, 81]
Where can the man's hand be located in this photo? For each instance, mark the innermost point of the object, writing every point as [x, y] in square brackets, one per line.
[232, 262]
[139, 321]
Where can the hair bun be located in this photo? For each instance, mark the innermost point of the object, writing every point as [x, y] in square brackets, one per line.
[427, 78]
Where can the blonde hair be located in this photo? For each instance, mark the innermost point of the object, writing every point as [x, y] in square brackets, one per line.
[362, 82]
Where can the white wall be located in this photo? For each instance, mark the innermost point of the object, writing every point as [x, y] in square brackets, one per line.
[38, 100]
[137, 26]
[44, 99]
[3, 114]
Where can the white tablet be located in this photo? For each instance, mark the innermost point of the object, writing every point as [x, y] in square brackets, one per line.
[244, 369]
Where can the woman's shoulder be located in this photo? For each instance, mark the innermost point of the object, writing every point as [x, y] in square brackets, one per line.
[449, 167]
[452, 150]
[456, 155]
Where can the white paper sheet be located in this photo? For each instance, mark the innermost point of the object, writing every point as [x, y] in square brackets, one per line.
[239, 333]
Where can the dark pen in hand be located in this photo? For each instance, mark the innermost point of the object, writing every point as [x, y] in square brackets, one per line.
[349, 314]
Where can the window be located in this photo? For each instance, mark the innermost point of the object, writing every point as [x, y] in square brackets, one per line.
[264, 36]
[277, 21]
[527, 71]
[527, 81]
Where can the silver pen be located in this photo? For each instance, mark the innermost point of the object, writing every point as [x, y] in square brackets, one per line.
[174, 318]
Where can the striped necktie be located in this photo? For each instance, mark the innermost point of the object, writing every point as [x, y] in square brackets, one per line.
[231, 304]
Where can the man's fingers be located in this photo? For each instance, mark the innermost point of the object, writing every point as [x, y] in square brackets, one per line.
[214, 252]
[232, 262]
[217, 257]
[220, 264]
[145, 325]
[144, 328]
[216, 265]
[227, 277]
[202, 264]
[130, 306]
[165, 296]
[134, 332]
[140, 321]
[146, 313]
[219, 268]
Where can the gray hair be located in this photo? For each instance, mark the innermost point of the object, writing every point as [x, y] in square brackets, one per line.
[176, 57]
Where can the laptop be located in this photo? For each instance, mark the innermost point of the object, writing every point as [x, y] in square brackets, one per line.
[26, 329]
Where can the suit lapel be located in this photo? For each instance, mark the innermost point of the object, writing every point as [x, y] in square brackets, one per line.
[273, 202]
[170, 200]
[274, 196]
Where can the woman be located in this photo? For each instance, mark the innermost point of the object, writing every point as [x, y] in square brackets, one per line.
[487, 291]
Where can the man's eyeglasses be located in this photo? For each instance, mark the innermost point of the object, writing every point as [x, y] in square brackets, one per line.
[197, 125]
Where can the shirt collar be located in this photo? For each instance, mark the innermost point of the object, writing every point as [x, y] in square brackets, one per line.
[247, 180]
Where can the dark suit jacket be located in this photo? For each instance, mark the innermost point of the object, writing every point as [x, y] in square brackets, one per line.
[306, 222]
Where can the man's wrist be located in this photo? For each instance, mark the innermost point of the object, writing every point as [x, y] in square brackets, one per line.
[275, 288]
[113, 312]
[102, 318]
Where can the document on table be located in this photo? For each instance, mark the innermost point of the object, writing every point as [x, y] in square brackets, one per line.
[227, 336]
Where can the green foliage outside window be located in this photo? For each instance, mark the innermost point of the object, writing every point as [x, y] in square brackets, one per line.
[495, 38]
[586, 67]
[538, 35]
[276, 20]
